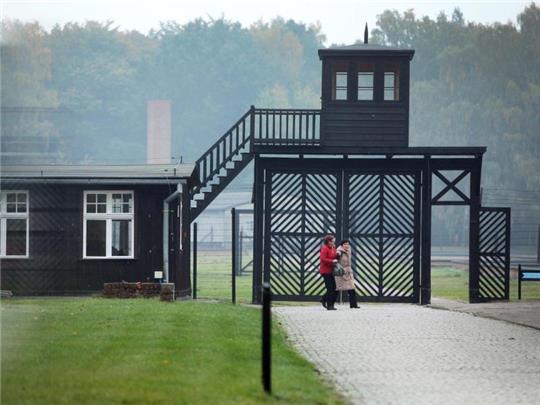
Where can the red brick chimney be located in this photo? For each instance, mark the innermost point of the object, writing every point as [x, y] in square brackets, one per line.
[158, 132]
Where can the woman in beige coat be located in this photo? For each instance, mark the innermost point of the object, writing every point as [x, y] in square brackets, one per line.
[346, 282]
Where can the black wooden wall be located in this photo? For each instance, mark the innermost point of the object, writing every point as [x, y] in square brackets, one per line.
[376, 123]
[55, 265]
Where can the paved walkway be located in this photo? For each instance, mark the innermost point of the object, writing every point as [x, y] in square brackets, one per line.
[408, 354]
[525, 312]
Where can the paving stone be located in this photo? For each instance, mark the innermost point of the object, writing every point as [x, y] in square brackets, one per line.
[409, 354]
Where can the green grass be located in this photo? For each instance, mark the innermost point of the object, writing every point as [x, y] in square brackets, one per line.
[214, 281]
[451, 283]
[93, 350]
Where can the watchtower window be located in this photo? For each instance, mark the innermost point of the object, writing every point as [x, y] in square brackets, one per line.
[391, 83]
[365, 82]
[340, 78]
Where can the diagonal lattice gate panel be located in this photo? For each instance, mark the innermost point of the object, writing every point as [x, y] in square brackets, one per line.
[494, 253]
[303, 207]
[380, 217]
[382, 220]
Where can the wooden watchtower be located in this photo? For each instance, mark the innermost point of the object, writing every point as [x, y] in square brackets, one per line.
[347, 169]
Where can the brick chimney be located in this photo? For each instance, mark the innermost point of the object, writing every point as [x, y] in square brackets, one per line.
[158, 132]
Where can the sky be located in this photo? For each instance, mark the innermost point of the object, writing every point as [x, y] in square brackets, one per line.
[342, 21]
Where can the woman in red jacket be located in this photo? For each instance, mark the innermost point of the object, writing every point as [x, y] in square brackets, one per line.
[328, 258]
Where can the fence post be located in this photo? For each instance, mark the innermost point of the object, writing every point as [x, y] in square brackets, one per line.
[251, 128]
[240, 253]
[266, 339]
[194, 261]
[233, 254]
[538, 246]
[519, 281]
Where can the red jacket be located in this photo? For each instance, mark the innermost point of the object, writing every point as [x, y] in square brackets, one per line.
[327, 255]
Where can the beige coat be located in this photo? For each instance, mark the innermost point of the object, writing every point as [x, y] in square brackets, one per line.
[345, 282]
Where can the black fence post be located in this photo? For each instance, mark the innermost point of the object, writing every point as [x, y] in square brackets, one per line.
[519, 281]
[194, 260]
[240, 253]
[538, 246]
[266, 338]
[233, 248]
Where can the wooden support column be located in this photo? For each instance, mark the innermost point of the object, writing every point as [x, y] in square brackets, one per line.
[425, 276]
[258, 201]
[474, 232]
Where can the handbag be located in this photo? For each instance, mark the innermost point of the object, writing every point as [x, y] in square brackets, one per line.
[338, 270]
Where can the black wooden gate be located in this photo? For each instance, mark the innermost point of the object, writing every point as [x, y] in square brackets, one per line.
[379, 212]
[494, 253]
[382, 220]
[303, 207]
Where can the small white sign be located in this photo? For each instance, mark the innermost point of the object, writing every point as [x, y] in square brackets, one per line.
[158, 274]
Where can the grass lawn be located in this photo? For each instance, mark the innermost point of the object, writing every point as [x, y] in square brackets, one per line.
[214, 281]
[94, 350]
[451, 283]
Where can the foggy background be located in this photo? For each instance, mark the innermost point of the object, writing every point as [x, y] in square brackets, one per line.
[77, 93]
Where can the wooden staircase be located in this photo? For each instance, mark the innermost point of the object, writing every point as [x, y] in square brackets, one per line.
[267, 128]
[222, 162]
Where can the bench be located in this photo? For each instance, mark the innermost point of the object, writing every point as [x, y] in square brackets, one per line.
[525, 274]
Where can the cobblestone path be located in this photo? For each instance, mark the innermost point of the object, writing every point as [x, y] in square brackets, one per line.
[408, 354]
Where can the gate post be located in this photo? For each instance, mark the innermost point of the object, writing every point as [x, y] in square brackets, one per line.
[474, 233]
[195, 260]
[256, 293]
[425, 278]
[538, 247]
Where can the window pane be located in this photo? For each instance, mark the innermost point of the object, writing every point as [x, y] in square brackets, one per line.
[11, 207]
[121, 238]
[389, 79]
[16, 237]
[391, 82]
[11, 197]
[117, 203]
[95, 238]
[127, 203]
[365, 94]
[365, 79]
[91, 208]
[21, 207]
[341, 94]
[91, 198]
[102, 198]
[21, 198]
[341, 79]
[102, 208]
[388, 94]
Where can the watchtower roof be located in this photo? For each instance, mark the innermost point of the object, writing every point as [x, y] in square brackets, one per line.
[360, 49]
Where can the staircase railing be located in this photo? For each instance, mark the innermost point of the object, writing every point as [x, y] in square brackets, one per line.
[231, 153]
[224, 149]
[282, 127]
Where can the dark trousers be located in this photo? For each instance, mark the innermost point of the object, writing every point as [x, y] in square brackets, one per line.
[330, 296]
[352, 298]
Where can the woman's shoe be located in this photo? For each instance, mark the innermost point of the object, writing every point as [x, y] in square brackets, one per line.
[355, 307]
[331, 308]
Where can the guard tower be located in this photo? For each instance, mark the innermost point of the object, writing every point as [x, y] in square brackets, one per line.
[348, 169]
[365, 96]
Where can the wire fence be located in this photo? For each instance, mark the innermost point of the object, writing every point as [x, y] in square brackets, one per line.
[215, 260]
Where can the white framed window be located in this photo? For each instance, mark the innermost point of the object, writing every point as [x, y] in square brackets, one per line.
[366, 74]
[14, 224]
[391, 82]
[108, 224]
